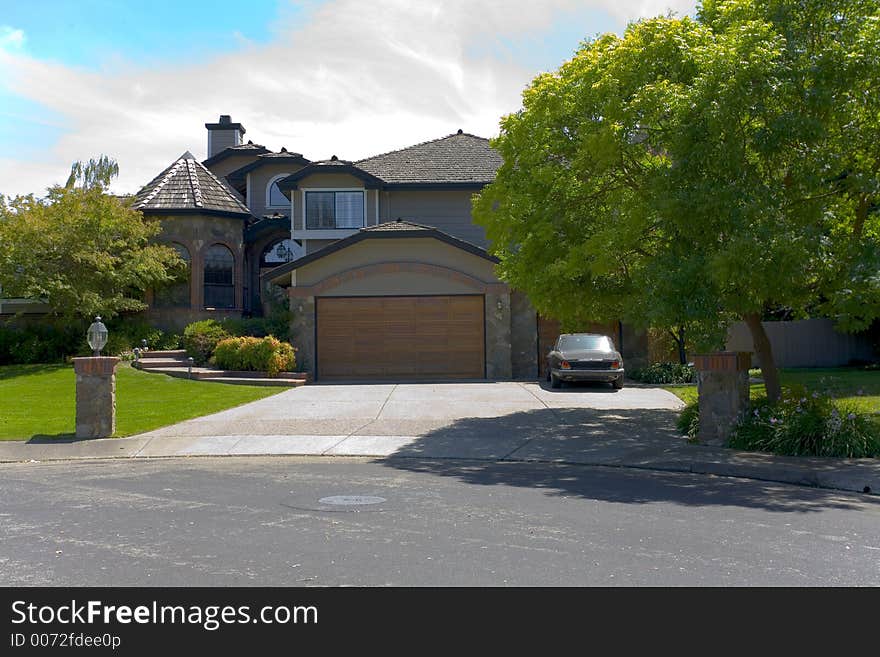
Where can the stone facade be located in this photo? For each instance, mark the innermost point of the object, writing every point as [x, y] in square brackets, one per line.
[523, 337]
[498, 363]
[95, 396]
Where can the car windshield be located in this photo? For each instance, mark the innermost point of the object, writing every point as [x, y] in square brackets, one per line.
[591, 342]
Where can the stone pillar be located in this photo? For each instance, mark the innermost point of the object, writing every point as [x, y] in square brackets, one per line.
[498, 363]
[723, 389]
[95, 396]
[302, 331]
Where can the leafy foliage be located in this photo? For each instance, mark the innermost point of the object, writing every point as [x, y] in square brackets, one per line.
[81, 250]
[201, 338]
[807, 424]
[695, 171]
[664, 373]
[245, 353]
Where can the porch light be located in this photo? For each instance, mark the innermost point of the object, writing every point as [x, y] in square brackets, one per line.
[97, 336]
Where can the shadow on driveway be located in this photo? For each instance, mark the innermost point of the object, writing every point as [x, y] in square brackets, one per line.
[570, 438]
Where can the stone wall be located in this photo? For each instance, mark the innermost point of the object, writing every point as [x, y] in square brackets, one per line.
[523, 337]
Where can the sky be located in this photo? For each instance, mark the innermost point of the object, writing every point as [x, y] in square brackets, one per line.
[138, 80]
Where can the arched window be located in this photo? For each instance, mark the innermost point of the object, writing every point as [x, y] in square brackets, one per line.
[219, 277]
[274, 197]
[176, 295]
[280, 252]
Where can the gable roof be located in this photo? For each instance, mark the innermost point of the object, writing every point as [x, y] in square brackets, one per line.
[249, 148]
[237, 177]
[187, 186]
[388, 230]
[460, 159]
[333, 165]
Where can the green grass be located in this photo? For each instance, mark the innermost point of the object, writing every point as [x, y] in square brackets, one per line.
[40, 400]
[857, 386]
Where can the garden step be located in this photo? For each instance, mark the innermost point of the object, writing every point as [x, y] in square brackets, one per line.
[221, 376]
[165, 353]
[153, 363]
[254, 381]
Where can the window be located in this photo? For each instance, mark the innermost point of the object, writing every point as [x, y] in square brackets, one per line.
[176, 295]
[280, 252]
[274, 197]
[219, 282]
[328, 210]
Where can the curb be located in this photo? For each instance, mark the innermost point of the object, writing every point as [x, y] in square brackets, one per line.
[798, 477]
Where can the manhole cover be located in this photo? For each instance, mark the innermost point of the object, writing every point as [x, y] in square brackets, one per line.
[351, 500]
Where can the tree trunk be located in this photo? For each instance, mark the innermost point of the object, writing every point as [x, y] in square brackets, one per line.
[682, 353]
[765, 356]
[679, 340]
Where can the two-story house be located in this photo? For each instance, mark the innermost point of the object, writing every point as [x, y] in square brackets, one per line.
[387, 275]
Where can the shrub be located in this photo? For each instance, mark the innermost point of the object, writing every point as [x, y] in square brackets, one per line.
[46, 341]
[664, 373]
[201, 338]
[689, 421]
[129, 332]
[267, 354]
[807, 424]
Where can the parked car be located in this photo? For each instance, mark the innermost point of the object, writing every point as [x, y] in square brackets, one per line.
[584, 357]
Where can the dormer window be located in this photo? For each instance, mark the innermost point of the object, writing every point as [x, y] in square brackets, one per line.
[274, 197]
[334, 209]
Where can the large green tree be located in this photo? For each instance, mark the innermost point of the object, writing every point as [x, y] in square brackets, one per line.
[697, 171]
[80, 249]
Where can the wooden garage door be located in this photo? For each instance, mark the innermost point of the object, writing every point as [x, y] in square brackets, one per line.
[436, 337]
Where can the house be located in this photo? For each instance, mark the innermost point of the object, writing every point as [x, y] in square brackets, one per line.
[386, 273]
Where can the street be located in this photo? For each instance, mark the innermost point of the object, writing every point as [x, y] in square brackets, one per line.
[307, 521]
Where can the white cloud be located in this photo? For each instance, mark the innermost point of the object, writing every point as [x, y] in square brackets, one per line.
[11, 37]
[350, 78]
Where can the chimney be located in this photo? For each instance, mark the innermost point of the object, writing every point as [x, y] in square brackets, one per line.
[223, 134]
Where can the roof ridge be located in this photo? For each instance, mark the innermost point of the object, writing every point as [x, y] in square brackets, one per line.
[422, 143]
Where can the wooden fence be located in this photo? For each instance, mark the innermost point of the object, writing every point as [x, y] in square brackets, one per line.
[805, 343]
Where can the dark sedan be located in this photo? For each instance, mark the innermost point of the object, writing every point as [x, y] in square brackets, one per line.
[584, 357]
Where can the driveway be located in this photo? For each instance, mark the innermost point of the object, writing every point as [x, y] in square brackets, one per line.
[465, 420]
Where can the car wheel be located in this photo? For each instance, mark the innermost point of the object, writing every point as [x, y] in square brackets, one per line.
[554, 382]
[618, 383]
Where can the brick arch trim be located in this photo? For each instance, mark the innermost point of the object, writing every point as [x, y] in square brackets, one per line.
[366, 271]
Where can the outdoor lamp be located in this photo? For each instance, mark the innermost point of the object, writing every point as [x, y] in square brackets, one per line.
[97, 336]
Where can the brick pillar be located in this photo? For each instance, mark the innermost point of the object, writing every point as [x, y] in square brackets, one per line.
[95, 396]
[723, 389]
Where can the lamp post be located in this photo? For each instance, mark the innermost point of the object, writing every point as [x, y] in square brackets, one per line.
[97, 336]
[96, 387]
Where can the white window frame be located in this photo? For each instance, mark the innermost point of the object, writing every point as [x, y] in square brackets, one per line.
[305, 190]
[272, 181]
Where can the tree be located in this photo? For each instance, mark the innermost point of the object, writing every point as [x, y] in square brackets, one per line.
[82, 250]
[697, 171]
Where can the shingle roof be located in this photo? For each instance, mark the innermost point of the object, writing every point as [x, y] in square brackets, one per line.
[399, 224]
[249, 148]
[188, 186]
[459, 158]
[237, 177]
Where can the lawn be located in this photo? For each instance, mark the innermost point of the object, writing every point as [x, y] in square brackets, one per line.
[859, 386]
[40, 400]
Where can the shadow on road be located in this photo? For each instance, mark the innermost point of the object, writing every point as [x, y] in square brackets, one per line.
[562, 438]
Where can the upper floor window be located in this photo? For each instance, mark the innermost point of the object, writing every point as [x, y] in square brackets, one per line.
[334, 210]
[274, 197]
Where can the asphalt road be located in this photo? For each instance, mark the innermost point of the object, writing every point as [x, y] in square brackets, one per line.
[266, 521]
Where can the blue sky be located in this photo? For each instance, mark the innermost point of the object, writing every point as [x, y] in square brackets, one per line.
[96, 76]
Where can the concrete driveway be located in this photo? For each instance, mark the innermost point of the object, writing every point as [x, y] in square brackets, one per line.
[464, 420]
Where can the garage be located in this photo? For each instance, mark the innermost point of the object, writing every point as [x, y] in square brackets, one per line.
[400, 337]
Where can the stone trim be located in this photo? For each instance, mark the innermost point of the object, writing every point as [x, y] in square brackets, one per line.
[723, 361]
[440, 271]
[95, 365]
